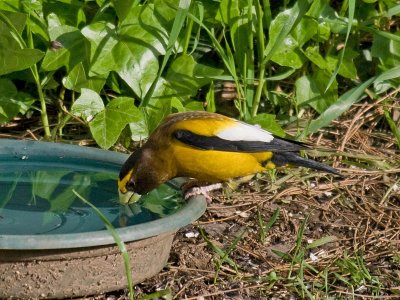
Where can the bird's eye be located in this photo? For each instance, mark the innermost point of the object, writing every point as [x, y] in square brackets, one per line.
[130, 186]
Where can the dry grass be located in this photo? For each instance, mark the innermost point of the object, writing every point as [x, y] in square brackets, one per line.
[356, 219]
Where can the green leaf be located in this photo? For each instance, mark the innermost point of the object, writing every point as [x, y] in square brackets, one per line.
[280, 29]
[70, 12]
[386, 50]
[232, 14]
[393, 127]
[17, 19]
[75, 49]
[305, 30]
[12, 60]
[288, 54]
[310, 91]
[228, 11]
[322, 241]
[87, 105]
[313, 54]
[321, 11]
[177, 25]
[122, 8]
[109, 123]
[347, 67]
[103, 38]
[77, 79]
[139, 130]
[12, 55]
[12, 102]
[141, 40]
[268, 122]
[186, 76]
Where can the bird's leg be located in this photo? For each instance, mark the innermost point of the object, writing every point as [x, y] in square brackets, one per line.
[193, 188]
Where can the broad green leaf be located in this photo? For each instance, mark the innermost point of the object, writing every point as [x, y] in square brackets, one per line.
[177, 25]
[305, 30]
[12, 102]
[87, 105]
[12, 60]
[10, 5]
[141, 40]
[280, 28]
[185, 76]
[36, 21]
[310, 91]
[288, 54]
[77, 79]
[155, 112]
[70, 12]
[324, 14]
[8, 107]
[194, 105]
[74, 49]
[17, 19]
[166, 10]
[313, 54]
[12, 55]
[386, 50]
[139, 130]
[347, 67]
[283, 47]
[395, 10]
[122, 8]
[268, 122]
[109, 123]
[103, 38]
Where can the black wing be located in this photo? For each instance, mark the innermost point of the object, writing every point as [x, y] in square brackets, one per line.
[216, 143]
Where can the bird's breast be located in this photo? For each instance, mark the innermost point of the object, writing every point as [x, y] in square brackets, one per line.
[217, 166]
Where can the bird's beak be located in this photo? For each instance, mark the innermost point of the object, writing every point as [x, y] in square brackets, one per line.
[128, 197]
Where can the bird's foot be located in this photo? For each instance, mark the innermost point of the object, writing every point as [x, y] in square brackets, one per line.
[202, 190]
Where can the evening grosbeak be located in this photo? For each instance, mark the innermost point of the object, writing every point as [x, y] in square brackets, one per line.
[210, 148]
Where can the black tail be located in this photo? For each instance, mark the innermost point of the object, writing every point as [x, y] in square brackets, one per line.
[291, 158]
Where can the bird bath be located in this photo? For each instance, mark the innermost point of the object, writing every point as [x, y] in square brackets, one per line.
[52, 245]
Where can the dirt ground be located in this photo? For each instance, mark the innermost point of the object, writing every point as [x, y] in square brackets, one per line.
[355, 221]
[333, 236]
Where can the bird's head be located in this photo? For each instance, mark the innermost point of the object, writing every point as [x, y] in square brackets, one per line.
[127, 181]
[141, 173]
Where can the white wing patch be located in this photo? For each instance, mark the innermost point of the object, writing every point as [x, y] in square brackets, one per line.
[245, 132]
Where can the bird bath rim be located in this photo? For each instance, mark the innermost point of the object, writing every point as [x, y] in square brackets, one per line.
[64, 153]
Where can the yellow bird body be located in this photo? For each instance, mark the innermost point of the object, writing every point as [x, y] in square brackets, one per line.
[208, 147]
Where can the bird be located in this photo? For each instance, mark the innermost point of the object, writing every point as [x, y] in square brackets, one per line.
[210, 148]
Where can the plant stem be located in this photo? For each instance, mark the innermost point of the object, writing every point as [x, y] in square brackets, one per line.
[35, 74]
[261, 60]
[43, 108]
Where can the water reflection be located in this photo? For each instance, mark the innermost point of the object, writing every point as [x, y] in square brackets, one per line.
[41, 201]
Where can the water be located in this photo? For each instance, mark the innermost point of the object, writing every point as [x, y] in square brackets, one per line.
[39, 200]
